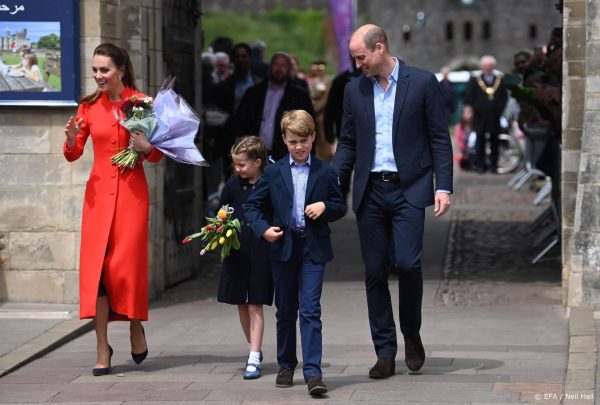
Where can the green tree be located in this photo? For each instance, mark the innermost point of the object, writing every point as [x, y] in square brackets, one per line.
[51, 41]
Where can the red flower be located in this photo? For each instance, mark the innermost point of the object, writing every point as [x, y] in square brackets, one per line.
[187, 240]
[210, 228]
[220, 229]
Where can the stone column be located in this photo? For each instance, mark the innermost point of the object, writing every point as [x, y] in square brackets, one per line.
[585, 259]
[574, 71]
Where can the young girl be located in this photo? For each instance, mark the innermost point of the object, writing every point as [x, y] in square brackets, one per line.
[246, 279]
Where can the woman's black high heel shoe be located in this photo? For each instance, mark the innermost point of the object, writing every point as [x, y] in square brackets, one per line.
[104, 370]
[139, 357]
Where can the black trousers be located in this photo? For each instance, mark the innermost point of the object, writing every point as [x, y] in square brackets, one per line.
[391, 234]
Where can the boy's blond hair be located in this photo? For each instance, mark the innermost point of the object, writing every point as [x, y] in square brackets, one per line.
[298, 122]
[253, 148]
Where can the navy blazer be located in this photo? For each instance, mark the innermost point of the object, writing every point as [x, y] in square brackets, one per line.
[274, 193]
[421, 141]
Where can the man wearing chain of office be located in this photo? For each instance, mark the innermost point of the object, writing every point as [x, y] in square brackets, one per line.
[487, 95]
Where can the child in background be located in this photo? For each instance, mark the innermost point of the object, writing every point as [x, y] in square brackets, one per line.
[465, 138]
[246, 279]
[292, 206]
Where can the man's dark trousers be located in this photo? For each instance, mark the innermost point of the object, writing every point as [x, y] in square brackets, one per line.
[385, 217]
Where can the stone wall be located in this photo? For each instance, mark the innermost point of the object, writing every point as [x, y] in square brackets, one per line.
[582, 107]
[42, 194]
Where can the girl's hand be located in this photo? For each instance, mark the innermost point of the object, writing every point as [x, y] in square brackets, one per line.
[71, 130]
[139, 143]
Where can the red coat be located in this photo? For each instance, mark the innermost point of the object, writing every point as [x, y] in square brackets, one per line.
[114, 231]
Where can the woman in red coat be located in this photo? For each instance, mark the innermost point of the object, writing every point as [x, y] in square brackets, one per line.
[114, 235]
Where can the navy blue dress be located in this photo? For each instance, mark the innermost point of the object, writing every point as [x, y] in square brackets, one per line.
[246, 274]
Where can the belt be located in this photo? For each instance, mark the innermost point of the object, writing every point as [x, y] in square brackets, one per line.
[298, 232]
[391, 177]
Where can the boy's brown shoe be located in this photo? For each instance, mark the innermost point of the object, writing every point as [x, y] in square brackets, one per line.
[316, 386]
[285, 378]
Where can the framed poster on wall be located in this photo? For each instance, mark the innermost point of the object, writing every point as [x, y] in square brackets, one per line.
[39, 52]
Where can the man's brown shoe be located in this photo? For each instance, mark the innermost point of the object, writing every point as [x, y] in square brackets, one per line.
[316, 386]
[384, 368]
[285, 378]
[414, 353]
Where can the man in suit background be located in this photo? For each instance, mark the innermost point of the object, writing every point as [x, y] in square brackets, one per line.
[395, 134]
[487, 95]
[263, 105]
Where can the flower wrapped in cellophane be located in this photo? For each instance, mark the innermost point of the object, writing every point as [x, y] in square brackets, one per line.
[220, 232]
[138, 116]
[168, 122]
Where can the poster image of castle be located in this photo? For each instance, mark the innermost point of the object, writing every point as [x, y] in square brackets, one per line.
[30, 56]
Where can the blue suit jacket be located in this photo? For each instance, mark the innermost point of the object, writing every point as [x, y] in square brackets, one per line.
[274, 194]
[421, 141]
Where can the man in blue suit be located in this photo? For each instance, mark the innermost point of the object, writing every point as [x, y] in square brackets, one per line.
[291, 207]
[394, 133]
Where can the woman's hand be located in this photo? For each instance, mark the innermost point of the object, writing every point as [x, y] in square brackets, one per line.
[139, 143]
[71, 130]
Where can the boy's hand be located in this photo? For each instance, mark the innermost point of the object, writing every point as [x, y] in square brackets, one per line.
[272, 234]
[315, 210]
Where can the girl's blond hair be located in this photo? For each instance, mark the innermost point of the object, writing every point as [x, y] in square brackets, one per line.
[253, 148]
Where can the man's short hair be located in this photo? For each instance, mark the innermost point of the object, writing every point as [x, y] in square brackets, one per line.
[298, 122]
[221, 56]
[282, 54]
[374, 36]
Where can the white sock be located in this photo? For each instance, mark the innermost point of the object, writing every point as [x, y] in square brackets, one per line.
[254, 358]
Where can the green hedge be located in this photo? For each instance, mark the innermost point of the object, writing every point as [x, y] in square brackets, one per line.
[295, 31]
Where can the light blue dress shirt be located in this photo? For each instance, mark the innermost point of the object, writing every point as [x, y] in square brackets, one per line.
[240, 88]
[384, 100]
[299, 179]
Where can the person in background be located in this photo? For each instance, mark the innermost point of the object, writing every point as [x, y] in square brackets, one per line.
[227, 96]
[258, 65]
[222, 67]
[487, 95]
[297, 75]
[31, 68]
[319, 83]
[246, 279]
[448, 94]
[263, 105]
[113, 267]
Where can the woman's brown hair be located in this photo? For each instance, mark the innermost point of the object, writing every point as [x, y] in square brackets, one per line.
[120, 58]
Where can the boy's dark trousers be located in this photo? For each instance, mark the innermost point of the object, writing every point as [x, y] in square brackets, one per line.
[298, 286]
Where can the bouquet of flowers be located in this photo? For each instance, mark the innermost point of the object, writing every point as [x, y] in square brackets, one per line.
[168, 122]
[139, 116]
[220, 231]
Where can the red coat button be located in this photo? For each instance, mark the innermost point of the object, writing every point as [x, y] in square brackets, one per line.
[113, 124]
[114, 175]
[112, 193]
[113, 140]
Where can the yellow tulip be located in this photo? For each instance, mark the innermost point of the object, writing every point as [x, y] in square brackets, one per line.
[221, 240]
[222, 214]
[213, 245]
[229, 233]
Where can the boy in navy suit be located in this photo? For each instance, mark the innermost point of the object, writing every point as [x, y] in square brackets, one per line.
[291, 207]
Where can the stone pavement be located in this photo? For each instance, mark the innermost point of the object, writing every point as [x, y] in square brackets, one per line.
[494, 329]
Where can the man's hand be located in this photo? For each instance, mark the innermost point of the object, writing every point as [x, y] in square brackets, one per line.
[315, 210]
[442, 204]
[272, 234]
